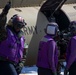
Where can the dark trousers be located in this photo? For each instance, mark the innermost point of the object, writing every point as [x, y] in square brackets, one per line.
[43, 71]
[7, 68]
[72, 70]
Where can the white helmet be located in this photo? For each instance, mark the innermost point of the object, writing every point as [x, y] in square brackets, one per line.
[52, 28]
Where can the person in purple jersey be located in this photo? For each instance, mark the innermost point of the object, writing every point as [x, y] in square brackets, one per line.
[12, 46]
[47, 59]
[71, 51]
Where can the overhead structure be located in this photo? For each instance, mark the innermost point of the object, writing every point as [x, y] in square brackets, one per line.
[21, 3]
[26, 3]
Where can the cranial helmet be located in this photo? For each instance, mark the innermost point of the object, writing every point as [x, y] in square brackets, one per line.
[52, 28]
[17, 21]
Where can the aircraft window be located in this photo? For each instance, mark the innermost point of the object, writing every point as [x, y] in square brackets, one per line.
[74, 7]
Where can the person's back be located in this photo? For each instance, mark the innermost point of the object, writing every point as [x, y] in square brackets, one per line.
[48, 53]
[71, 52]
[43, 51]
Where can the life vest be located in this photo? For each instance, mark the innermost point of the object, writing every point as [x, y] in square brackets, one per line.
[12, 47]
[43, 53]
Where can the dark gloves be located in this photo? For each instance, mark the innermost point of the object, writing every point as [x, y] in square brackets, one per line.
[6, 8]
[3, 15]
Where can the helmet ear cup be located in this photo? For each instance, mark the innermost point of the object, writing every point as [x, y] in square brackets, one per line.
[52, 29]
[10, 22]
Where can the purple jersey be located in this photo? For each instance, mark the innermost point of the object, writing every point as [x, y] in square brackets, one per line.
[47, 53]
[12, 47]
[71, 52]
